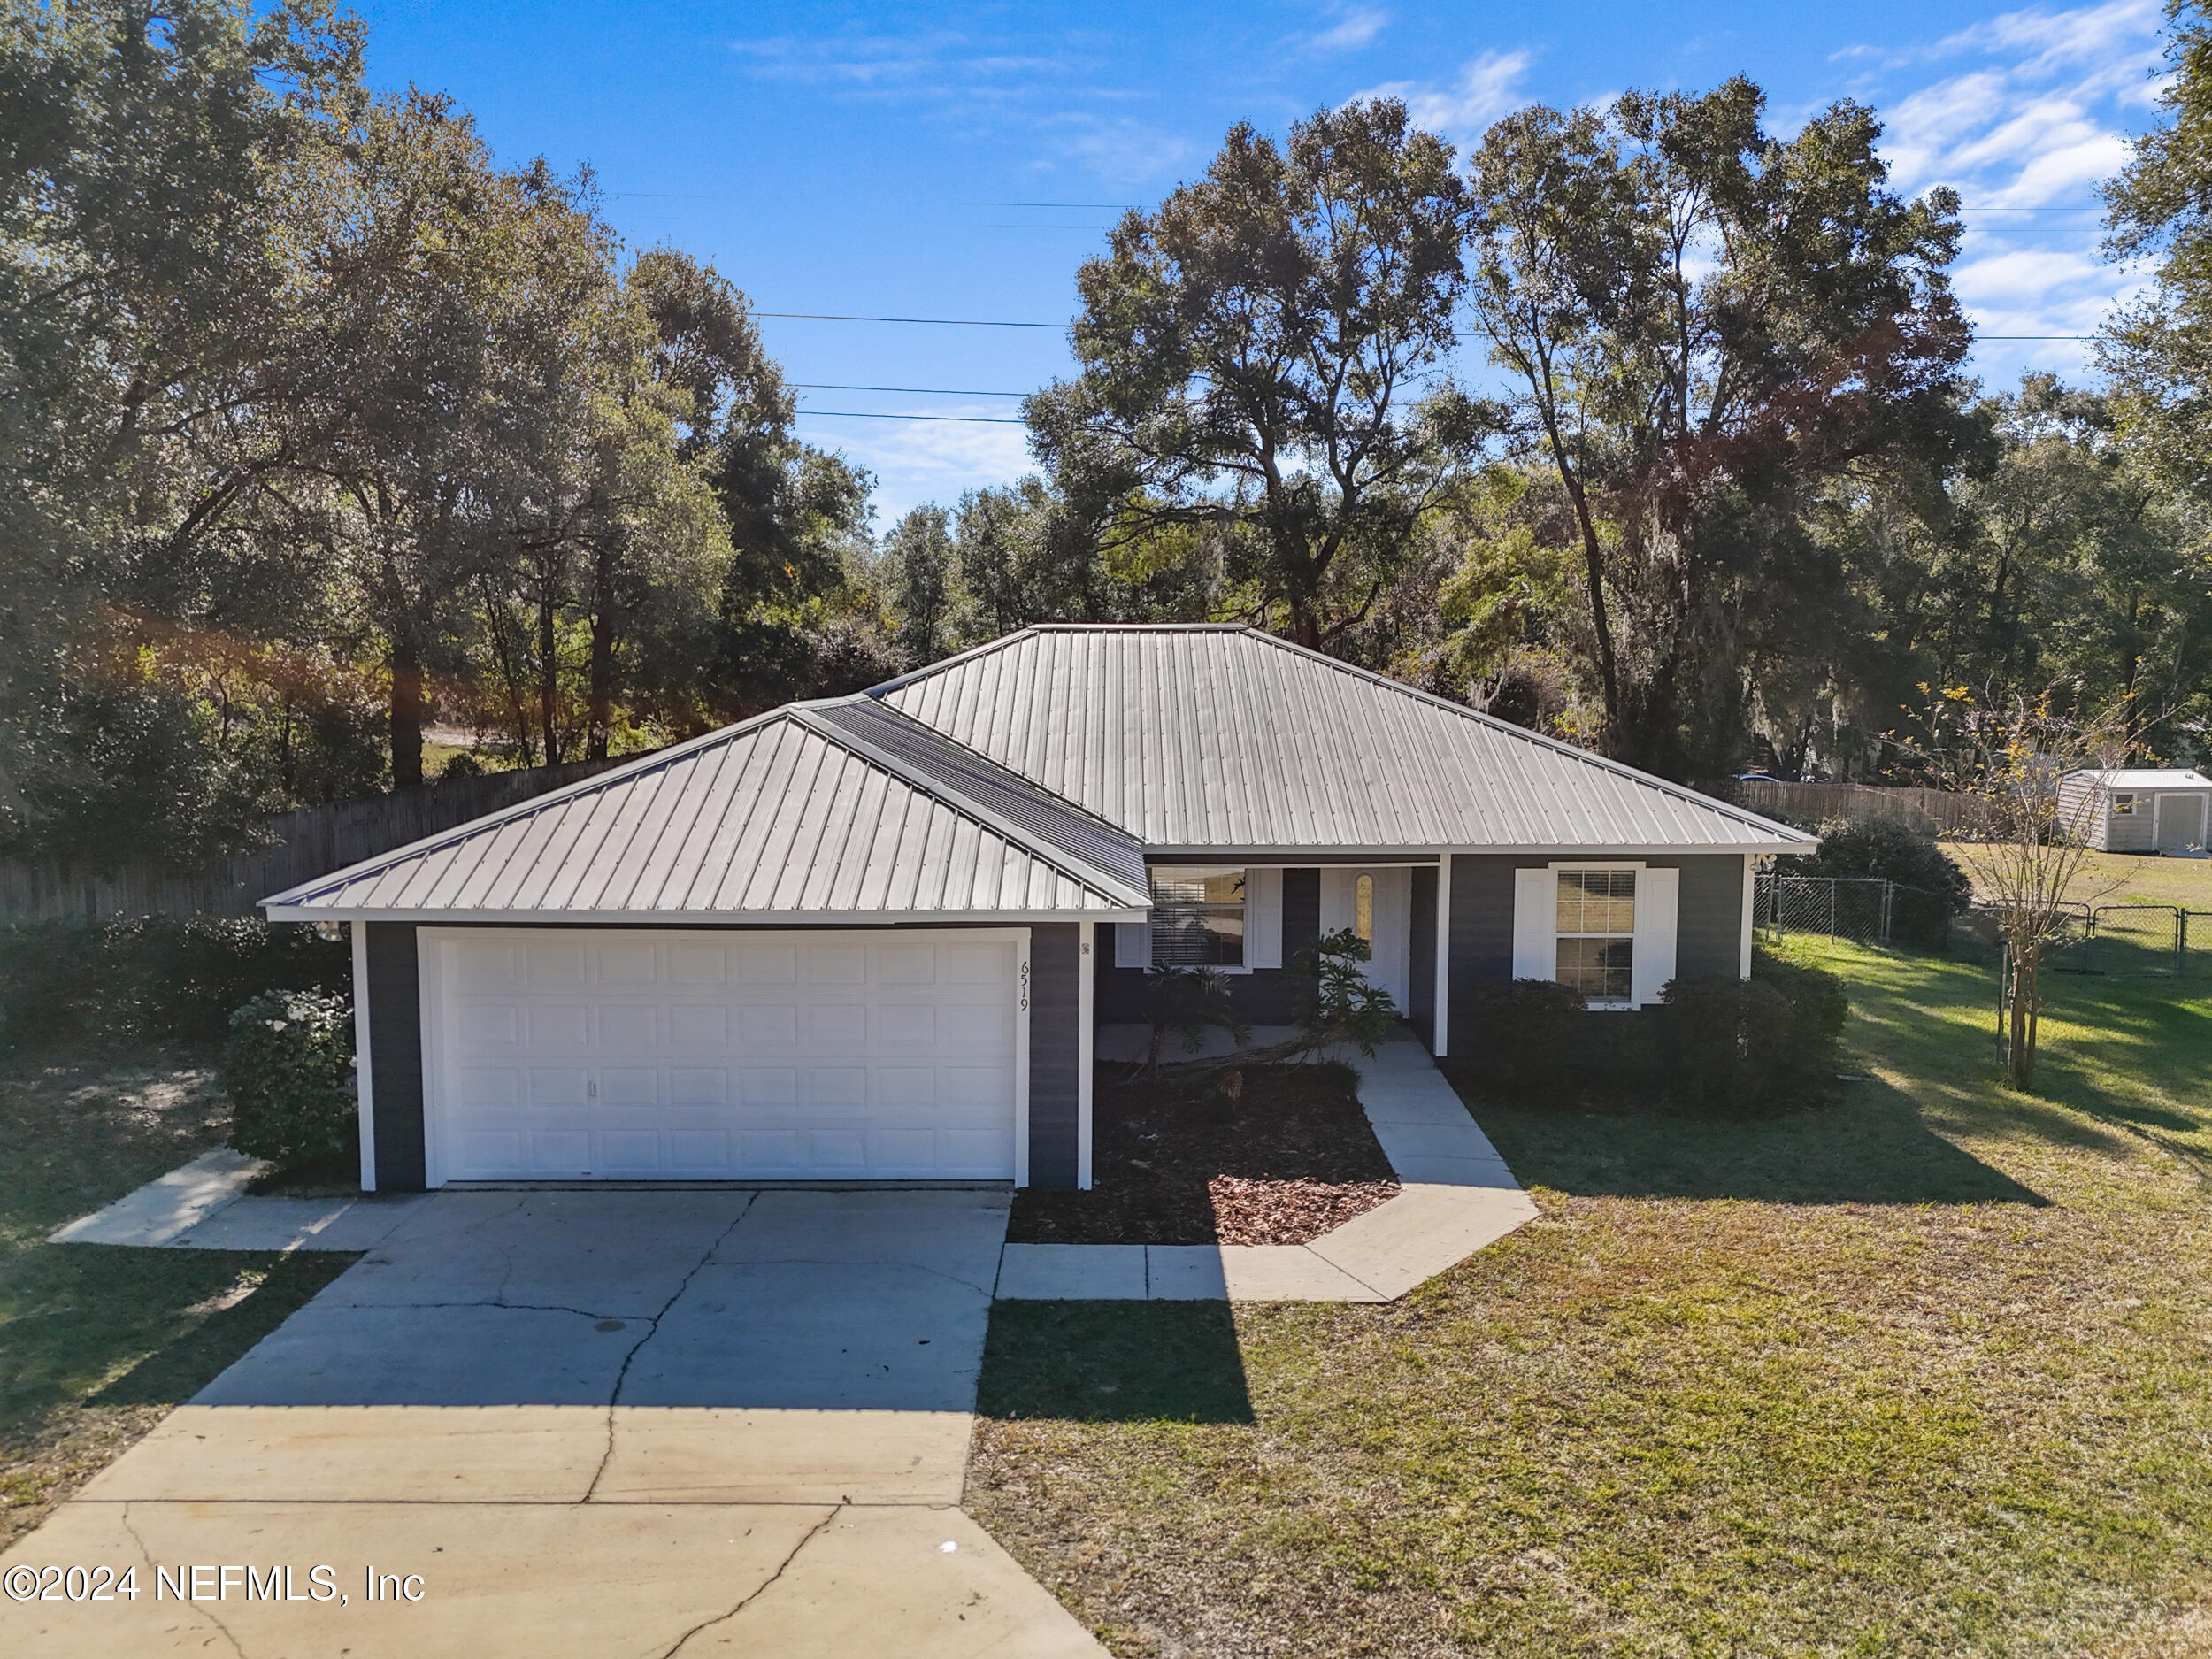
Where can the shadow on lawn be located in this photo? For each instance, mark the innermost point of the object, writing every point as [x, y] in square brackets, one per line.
[1114, 1362]
[1873, 1148]
[198, 1353]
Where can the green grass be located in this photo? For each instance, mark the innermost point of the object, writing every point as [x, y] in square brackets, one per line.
[97, 1343]
[1929, 1372]
[2133, 878]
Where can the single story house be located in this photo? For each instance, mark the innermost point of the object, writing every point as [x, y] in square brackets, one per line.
[2139, 809]
[874, 937]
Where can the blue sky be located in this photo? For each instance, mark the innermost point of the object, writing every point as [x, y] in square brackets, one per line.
[959, 161]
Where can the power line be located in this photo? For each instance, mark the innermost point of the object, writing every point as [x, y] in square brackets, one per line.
[964, 420]
[942, 322]
[923, 391]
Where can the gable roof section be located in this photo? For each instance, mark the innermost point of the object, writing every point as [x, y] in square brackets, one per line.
[809, 812]
[1226, 738]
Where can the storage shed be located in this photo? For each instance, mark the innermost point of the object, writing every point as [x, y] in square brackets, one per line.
[2139, 809]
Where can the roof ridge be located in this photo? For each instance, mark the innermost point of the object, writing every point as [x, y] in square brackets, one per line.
[1605, 763]
[1068, 864]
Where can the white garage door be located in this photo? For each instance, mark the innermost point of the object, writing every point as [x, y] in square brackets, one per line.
[674, 1056]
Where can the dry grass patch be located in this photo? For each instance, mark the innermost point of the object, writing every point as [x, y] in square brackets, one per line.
[1924, 1373]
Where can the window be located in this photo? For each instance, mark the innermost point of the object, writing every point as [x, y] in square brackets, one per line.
[1198, 919]
[1597, 932]
[2122, 805]
[1363, 907]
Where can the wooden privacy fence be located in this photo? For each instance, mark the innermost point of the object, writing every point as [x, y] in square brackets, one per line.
[1813, 804]
[306, 843]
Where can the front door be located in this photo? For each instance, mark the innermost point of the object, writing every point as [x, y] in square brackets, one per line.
[1377, 905]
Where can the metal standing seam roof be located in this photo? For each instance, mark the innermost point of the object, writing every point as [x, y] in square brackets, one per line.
[1224, 737]
[813, 810]
[2146, 778]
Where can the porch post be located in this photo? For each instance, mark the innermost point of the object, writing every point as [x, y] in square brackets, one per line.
[363, 1073]
[1441, 1026]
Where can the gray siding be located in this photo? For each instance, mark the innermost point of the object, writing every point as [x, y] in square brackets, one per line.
[1265, 997]
[1421, 976]
[1709, 928]
[2131, 833]
[1055, 1053]
[394, 991]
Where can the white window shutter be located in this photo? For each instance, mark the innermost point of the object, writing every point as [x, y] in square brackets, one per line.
[1133, 944]
[1264, 918]
[1658, 902]
[1535, 923]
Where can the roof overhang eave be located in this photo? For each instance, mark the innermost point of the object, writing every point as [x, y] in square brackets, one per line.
[278, 912]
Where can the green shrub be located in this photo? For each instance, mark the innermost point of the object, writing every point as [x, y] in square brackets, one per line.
[1733, 1043]
[1815, 997]
[1339, 1002]
[153, 978]
[1524, 1028]
[287, 1068]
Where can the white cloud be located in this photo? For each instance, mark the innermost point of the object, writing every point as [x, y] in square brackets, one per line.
[1487, 88]
[918, 461]
[2026, 115]
[1359, 26]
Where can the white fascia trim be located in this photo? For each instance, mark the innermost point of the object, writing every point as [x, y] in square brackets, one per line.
[701, 918]
[1418, 857]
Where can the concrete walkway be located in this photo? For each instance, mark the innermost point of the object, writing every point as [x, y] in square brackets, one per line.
[204, 1205]
[1457, 1197]
[593, 1424]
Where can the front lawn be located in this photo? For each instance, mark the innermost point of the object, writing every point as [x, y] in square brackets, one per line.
[97, 1343]
[1930, 1372]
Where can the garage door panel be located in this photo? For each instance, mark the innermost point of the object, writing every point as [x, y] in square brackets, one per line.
[680, 1056]
[551, 1087]
[837, 1086]
[698, 1085]
[774, 1025]
[907, 1022]
[696, 965]
[904, 964]
[554, 963]
[836, 1024]
[768, 1086]
[557, 1024]
[625, 964]
[835, 963]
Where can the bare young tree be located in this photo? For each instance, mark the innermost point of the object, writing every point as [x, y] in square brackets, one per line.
[2028, 861]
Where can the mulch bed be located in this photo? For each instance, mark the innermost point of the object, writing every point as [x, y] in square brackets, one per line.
[1181, 1161]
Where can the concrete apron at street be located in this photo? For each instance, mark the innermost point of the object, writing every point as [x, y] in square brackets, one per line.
[587, 1424]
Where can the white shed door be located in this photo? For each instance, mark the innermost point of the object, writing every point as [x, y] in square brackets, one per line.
[600, 1053]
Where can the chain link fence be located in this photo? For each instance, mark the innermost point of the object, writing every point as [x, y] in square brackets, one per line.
[2134, 941]
[2125, 940]
[1864, 909]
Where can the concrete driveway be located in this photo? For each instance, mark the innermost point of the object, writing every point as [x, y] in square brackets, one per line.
[591, 1424]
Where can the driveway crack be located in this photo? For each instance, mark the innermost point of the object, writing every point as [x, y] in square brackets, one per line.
[652, 1330]
[760, 1589]
[147, 1555]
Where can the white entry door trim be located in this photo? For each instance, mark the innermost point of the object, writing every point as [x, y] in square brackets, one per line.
[676, 1054]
